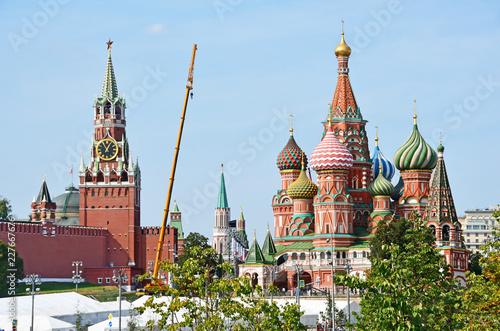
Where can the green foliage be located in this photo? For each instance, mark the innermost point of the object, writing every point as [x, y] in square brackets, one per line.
[474, 265]
[5, 209]
[206, 302]
[393, 233]
[7, 256]
[326, 316]
[412, 289]
[481, 302]
[193, 240]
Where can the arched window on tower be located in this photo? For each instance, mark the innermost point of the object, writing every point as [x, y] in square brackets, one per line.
[294, 256]
[107, 108]
[355, 182]
[433, 229]
[446, 232]
[322, 255]
[327, 228]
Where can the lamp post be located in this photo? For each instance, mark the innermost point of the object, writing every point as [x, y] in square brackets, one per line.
[348, 269]
[298, 270]
[120, 277]
[33, 280]
[273, 271]
[77, 274]
[333, 284]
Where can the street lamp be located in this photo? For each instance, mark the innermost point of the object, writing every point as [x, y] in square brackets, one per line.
[120, 277]
[273, 271]
[333, 284]
[348, 269]
[299, 270]
[77, 274]
[33, 280]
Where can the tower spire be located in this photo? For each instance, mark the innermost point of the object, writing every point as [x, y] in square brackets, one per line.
[109, 89]
[291, 125]
[222, 198]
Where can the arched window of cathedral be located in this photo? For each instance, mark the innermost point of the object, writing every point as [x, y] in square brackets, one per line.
[118, 112]
[328, 255]
[322, 255]
[294, 256]
[287, 231]
[446, 232]
[302, 256]
[355, 182]
[338, 255]
[366, 215]
[364, 254]
[354, 255]
[327, 228]
[341, 228]
[343, 255]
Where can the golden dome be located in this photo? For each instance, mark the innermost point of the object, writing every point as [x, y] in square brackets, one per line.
[343, 49]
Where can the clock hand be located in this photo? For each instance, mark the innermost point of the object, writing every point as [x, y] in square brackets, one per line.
[107, 148]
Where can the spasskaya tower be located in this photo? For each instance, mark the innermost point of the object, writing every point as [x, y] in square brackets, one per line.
[110, 183]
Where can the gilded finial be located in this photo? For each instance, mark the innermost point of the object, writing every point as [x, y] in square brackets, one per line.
[254, 234]
[241, 208]
[222, 167]
[376, 135]
[342, 27]
[343, 49]
[379, 163]
[415, 112]
[329, 122]
[302, 161]
[441, 137]
[267, 226]
[44, 177]
[291, 124]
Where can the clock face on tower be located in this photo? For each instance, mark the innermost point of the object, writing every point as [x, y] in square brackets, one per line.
[106, 149]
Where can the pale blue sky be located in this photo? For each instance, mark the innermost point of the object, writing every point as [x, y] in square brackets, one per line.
[257, 62]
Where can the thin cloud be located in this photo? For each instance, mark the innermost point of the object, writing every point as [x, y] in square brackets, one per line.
[156, 28]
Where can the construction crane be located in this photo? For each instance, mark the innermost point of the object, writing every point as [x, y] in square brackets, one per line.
[155, 280]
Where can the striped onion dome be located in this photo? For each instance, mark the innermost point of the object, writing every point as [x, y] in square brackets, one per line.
[388, 168]
[302, 188]
[290, 157]
[380, 186]
[331, 154]
[415, 154]
[398, 190]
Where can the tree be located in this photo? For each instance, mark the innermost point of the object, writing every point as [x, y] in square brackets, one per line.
[326, 316]
[474, 265]
[204, 302]
[193, 240]
[412, 289]
[8, 279]
[393, 233]
[5, 209]
[481, 302]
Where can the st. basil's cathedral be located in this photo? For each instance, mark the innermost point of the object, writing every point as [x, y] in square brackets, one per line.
[352, 195]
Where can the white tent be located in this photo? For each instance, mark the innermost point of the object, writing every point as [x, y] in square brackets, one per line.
[41, 323]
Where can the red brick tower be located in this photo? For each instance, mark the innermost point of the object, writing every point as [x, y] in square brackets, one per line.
[349, 127]
[110, 185]
[42, 206]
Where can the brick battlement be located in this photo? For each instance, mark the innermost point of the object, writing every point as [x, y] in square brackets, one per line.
[155, 230]
[60, 230]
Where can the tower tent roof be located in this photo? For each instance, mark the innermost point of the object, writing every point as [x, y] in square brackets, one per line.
[268, 247]
[44, 194]
[109, 89]
[255, 254]
[222, 198]
[440, 204]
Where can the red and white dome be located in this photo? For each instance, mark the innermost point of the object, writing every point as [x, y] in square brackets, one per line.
[331, 154]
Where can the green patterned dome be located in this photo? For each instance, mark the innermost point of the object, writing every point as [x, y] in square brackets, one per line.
[380, 186]
[415, 154]
[302, 188]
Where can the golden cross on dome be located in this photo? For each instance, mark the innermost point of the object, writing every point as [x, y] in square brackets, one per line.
[109, 43]
[441, 137]
[415, 111]
[342, 26]
[291, 123]
[376, 135]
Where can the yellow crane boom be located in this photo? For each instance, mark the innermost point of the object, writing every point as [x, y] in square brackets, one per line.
[189, 87]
